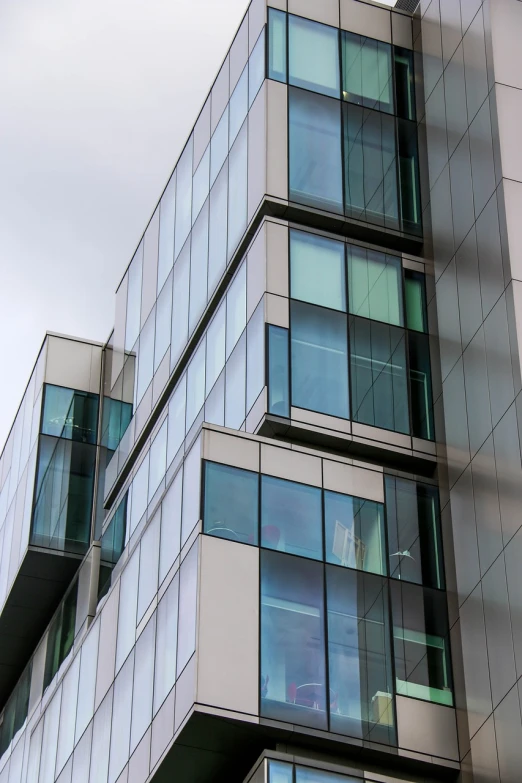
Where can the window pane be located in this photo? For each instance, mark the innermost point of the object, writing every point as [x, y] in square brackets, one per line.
[198, 268]
[87, 683]
[319, 360]
[415, 300]
[191, 491]
[127, 609]
[238, 107]
[370, 166]
[378, 375]
[163, 322]
[121, 720]
[256, 68]
[200, 184]
[231, 503]
[404, 83]
[188, 583]
[237, 190]
[293, 675]
[157, 460]
[276, 45]
[217, 248]
[146, 356]
[235, 386]
[278, 372]
[409, 176]
[420, 386]
[195, 385]
[180, 306]
[412, 516]
[367, 72]
[166, 231]
[359, 656]
[170, 527]
[375, 285]
[315, 151]
[132, 324]
[149, 562]
[279, 772]
[140, 485]
[70, 414]
[143, 683]
[354, 530]
[308, 775]
[255, 356]
[183, 197]
[317, 270]
[215, 348]
[215, 403]
[166, 644]
[313, 56]
[176, 425]
[219, 147]
[291, 517]
[421, 642]
[236, 309]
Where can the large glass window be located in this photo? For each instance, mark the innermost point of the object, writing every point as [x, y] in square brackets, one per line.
[421, 643]
[70, 414]
[404, 83]
[409, 176]
[319, 359]
[367, 72]
[231, 503]
[375, 285]
[278, 372]
[60, 637]
[236, 309]
[132, 323]
[379, 382]
[157, 460]
[315, 150]
[188, 587]
[146, 357]
[293, 667]
[313, 51]
[291, 517]
[163, 321]
[277, 45]
[412, 517]
[415, 300]
[370, 166]
[317, 270]
[354, 532]
[219, 147]
[359, 656]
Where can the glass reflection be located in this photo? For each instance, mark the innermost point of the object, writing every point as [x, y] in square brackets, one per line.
[291, 517]
[231, 503]
[354, 532]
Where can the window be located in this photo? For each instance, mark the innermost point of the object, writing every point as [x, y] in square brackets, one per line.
[315, 150]
[359, 656]
[188, 584]
[219, 147]
[170, 527]
[166, 231]
[237, 190]
[157, 460]
[176, 420]
[378, 375]
[60, 637]
[70, 414]
[215, 348]
[195, 385]
[278, 371]
[420, 386]
[313, 56]
[367, 72]
[255, 368]
[217, 248]
[415, 300]
[231, 503]
[180, 306]
[279, 772]
[354, 532]
[317, 270]
[420, 634]
[236, 309]
[183, 197]
[235, 386]
[198, 268]
[200, 184]
[404, 83]
[319, 359]
[132, 324]
[163, 321]
[412, 516]
[238, 106]
[166, 644]
[409, 176]
[370, 166]
[256, 68]
[293, 667]
[291, 517]
[146, 356]
[277, 45]
[375, 285]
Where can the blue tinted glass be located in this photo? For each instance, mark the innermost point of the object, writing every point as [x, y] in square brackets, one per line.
[256, 68]
[200, 184]
[231, 503]
[70, 414]
[279, 772]
[180, 305]
[215, 347]
[278, 371]
[195, 385]
[319, 360]
[354, 531]
[237, 190]
[183, 198]
[309, 775]
[293, 671]
[235, 386]
[409, 176]
[217, 249]
[166, 231]
[276, 45]
[163, 321]
[238, 106]
[359, 656]
[236, 309]
[255, 356]
[146, 356]
[313, 54]
[219, 147]
[158, 460]
[379, 375]
[317, 270]
[315, 150]
[132, 324]
[198, 268]
[291, 517]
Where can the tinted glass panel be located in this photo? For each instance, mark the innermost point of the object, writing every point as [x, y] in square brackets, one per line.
[166, 231]
[313, 56]
[367, 72]
[215, 348]
[319, 360]
[279, 772]
[70, 414]
[354, 532]
[317, 270]
[278, 371]
[420, 386]
[219, 147]
[409, 176]
[404, 83]
[359, 657]
[378, 375]
[238, 107]
[420, 635]
[198, 268]
[217, 250]
[163, 322]
[180, 305]
[237, 190]
[277, 45]
[256, 68]
[375, 285]
[235, 386]
[412, 515]
[308, 775]
[415, 300]
[293, 671]
[291, 517]
[315, 150]
[183, 197]
[231, 503]
[200, 185]
[146, 356]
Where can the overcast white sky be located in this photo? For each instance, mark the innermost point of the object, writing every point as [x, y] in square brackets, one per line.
[96, 98]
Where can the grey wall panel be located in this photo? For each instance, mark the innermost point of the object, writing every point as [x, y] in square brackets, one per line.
[508, 733]
[498, 630]
[426, 728]
[478, 407]
[475, 660]
[431, 46]
[455, 414]
[487, 511]
[455, 99]
[465, 535]
[468, 283]
[436, 132]
[451, 27]
[484, 754]
[475, 64]
[482, 164]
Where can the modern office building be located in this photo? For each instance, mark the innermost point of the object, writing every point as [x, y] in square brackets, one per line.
[271, 530]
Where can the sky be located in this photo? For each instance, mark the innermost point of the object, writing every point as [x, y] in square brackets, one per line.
[97, 99]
